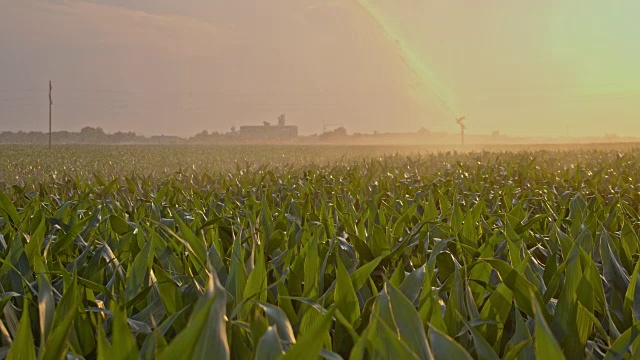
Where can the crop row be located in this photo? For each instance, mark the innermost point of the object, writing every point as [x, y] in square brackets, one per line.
[480, 255]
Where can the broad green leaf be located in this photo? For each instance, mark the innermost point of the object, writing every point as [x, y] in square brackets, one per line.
[57, 343]
[408, 323]
[278, 318]
[483, 349]
[545, 343]
[23, 346]
[311, 270]
[256, 286]
[123, 343]
[270, 347]
[137, 272]
[46, 308]
[360, 276]
[103, 346]
[119, 225]
[205, 336]
[345, 297]
[522, 289]
[70, 236]
[412, 284]
[445, 347]
[386, 342]
[8, 208]
[310, 344]
[620, 349]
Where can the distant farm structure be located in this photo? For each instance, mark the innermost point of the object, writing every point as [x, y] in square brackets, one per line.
[268, 132]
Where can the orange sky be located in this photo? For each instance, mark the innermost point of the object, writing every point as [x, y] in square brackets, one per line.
[168, 67]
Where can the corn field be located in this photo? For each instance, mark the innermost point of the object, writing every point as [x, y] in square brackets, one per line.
[305, 253]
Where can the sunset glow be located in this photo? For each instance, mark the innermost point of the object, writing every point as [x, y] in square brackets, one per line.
[523, 68]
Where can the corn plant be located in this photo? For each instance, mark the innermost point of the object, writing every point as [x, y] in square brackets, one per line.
[214, 253]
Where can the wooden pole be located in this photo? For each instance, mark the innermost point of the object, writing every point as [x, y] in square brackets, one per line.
[50, 104]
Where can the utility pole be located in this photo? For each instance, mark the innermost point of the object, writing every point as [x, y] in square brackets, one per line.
[50, 104]
[462, 128]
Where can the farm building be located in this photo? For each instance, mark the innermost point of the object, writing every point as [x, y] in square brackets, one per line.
[268, 132]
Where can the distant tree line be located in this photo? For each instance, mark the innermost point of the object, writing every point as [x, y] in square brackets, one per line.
[96, 135]
[91, 135]
[87, 135]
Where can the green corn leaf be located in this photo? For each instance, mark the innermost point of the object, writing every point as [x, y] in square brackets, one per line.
[345, 297]
[205, 336]
[408, 322]
[620, 349]
[23, 346]
[270, 347]
[445, 347]
[310, 344]
[123, 343]
[546, 345]
[57, 343]
[8, 209]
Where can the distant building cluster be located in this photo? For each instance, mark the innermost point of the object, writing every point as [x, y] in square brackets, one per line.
[268, 132]
[281, 133]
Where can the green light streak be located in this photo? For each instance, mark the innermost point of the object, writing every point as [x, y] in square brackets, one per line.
[430, 86]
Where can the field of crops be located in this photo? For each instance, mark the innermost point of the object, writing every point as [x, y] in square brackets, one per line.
[320, 252]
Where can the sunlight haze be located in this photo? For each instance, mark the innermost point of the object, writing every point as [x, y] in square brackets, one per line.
[543, 68]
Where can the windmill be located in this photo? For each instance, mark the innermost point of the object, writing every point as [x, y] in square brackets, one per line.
[463, 127]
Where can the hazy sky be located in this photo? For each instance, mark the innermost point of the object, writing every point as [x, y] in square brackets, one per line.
[540, 67]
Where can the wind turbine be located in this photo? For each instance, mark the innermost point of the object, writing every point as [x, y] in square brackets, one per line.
[462, 128]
